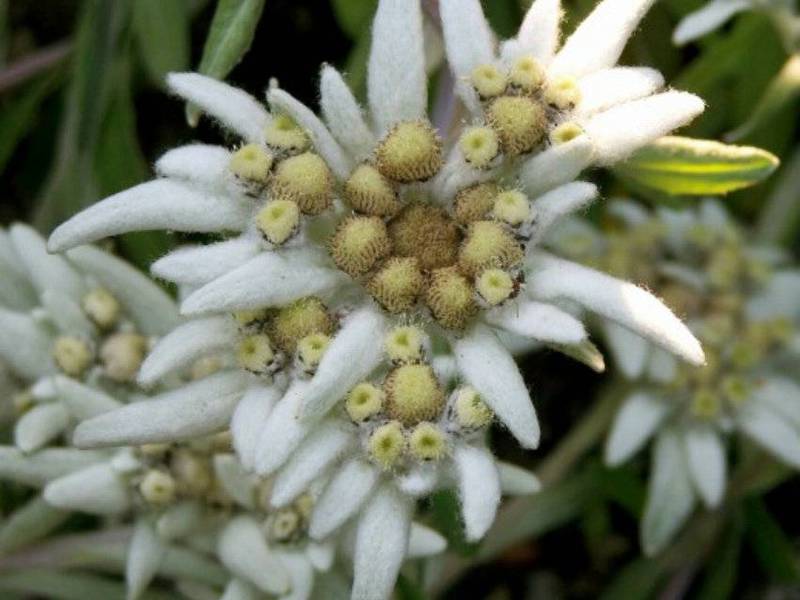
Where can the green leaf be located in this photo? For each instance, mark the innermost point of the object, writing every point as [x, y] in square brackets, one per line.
[354, 16]
[409, 590]
[503, 15]
[720, 579]
[773, 549]
[161, 30]
[685, 166]
[446, 511]
[637, 581]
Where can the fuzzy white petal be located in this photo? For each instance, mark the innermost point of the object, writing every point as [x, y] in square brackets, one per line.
[39, 425]
[343, 114]
[516, 481]
[381, 543]
[31, 359]
[199, 265]
[343, 496]
[157, 204]
[98, 489]
[771, 430]
[321, 555]
[419, 481]
[301, 574]
[145, 554]
[636, 421]
[621, 130]
[599, 40]
[538, 34]
[180, 520]
[705, 455]
[237, 483]
[238, 589]
[670, 496]
[479, 489]
[538, 321]
[185, 344]
[622, 302]
[782, 395]
[352, 355]
[67, 314]
[43, 466]
[706, 19]
[324, 142]
[560, 202]
[397, 85]
[243, 549]
[283, 431]
[249, 418]
[203, 164]
[630, 351]
[83, 401]
[556, 166]
[603, 89]
[17, 292]
[198, 408]
[233, 108]
[487, 366]
[424, 542]
[45, 270]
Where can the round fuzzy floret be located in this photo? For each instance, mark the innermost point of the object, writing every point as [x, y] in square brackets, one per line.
[370, 193]
[359, 243]
[427, 233]
[519, 121]
[410, 152]
[450, 298]
[413, 394]
[306, 180]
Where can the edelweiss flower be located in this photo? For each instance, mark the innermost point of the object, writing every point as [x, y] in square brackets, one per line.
[741, 302]
[715, 14]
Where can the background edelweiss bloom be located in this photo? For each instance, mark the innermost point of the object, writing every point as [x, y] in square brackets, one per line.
[711, 16]
[741, 302]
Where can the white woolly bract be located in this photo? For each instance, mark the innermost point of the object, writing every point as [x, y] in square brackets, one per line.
[538, 321]
[83, 401]
[202, 164]
[199, 265]
[538, 34]
[603, 89]
[556, 165]
[45, 271]
[250, 417]
[47, 464]
[705, 456]
[478, 489]
[516, 481]
[283, 430]
[640, 415]
[630, 351]
[771, 430]
[97, 489]
[343, 114]
[560, 202]
[301, 574]
[145, 554]
[706, 19]
[342, 497]
[424, 542]
[243, 549]
[40, 425]
[31, 359]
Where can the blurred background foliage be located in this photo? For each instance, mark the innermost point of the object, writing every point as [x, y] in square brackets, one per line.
[84, 113]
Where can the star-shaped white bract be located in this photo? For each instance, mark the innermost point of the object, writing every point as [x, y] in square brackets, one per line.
[712, 15]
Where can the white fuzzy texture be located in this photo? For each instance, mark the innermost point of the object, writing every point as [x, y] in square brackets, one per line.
[152, 310]
[352, 355]
[625, 128]
[146, 551]
[318, 451]
[199, 265]
[324, 142]
[419, 481]
[634, 423]
[781, 395]
[516, 481]
[343, 114]
[599, 40]
[243, 549]
[249, 418]
[487, 366]
[16, 293]
[630, 351]
[238, 483]
[83, 401]
[622, 302]
[198, 408]
[538, 321]
[185, 344]
[381, 543]
[67, 314]
[424, 542]
[179, 520]
[157, 204]
[43, 466]
[301, 574]
[283, 431]
[478, 488]
[321, 555]
[670, 496]
[603, 89]
[397, 85]
[203, 164]
[538, 34]
[235, 109]
[238, 589]
[706, 19]
[268, 279]
[705, 456]
[31, 359]
[39, 425]
[342, 497]
[45, 271]
[556, 166]
[560, 202]
[98, 490]
[771, 430]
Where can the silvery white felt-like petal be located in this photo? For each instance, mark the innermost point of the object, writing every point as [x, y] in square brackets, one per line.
[203, 164]
[185, 344]
[706, 19]
[233, 108]
[318, 451]
[238, 589]
[781, 395]
[397, 85]
[381, 543]
[321, 555]
[603, 89]
[445, 368]
[301, 574]
[283, 430]
[424, 541]
[343, 114]
[343, 496]
[83, 401]
[630, 351]
[488, 367]
[148, 306]
[560, 202]
[29, 523]
[770, 430]
[538, 34]
[39, 425]
[43, 466]
[198, 408]
[9, 257]
[638, 418]
[478, 489]
[516, 481]
[419, 481]
[457, 174]
[352, 355]
[250, 417]
[670, 496]
[599, 40]
[157, 204]
[556, 165]
[778, 299]
[179, 520]
[16, 293]
[630, 306]
[662, 366]
[705, 456]
[98, 489]
[538, 321]
[324, 142]
[268, 279]
[621, 130]
[146, 551]
[31, 359]
[44, 388]
[67, 314]
[199, 265]
[235, 480]
[243, 549]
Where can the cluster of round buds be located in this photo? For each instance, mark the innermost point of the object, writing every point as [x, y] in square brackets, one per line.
[408, 417]
[289, 525]
[269, 338]
[286, 172]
